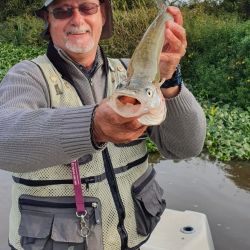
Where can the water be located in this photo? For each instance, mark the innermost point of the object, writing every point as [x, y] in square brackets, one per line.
[220, 191]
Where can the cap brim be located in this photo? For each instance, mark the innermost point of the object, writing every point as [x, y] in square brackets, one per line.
[41, 12]
[47, 3]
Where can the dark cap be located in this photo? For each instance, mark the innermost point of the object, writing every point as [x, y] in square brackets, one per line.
[107, 30]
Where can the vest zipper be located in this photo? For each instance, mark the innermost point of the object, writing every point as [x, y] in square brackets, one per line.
[117, 198]
[92, 89]
[35, 203]
[111, 175]
[91, 83]
[87, 185]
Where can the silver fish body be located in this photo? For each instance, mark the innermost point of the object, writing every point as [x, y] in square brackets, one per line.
[143, 78]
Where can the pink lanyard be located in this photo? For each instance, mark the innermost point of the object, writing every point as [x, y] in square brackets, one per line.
[79, 197]
[81, 212]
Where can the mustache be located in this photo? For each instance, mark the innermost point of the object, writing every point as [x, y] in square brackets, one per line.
[77, 30]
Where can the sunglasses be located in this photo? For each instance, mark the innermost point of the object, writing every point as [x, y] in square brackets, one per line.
[67, 12]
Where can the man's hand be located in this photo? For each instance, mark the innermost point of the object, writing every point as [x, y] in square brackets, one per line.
[108, 126]
[175, 44]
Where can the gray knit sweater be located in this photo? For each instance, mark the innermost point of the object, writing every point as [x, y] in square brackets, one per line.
[35, 136]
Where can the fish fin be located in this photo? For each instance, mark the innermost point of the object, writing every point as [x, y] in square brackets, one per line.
[157, 78]
[161, 82]
[162, 6]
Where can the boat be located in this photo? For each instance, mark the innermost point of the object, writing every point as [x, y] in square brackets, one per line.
[181, 230]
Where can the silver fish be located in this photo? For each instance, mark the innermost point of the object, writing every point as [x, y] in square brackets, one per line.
[140, 94]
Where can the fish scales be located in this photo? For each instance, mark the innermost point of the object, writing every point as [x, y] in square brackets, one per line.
[143, 62]
[140, 95]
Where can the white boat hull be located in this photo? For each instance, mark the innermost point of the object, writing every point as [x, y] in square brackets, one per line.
[179, 230]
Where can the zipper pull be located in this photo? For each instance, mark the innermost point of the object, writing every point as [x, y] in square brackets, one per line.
[97, 215]
[87, 185]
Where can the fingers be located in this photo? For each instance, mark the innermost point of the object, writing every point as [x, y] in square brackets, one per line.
[129, 135]
[175, 37]
[175, 44]
[108, 126]
[176, 13]
[125, 133]
[133, 125]
[168, 63]
[177, 31]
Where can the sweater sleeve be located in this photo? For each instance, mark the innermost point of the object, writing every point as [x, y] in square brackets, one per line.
[183, 132]
[32, 135]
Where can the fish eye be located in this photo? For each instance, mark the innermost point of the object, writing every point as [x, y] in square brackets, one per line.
[149, 92]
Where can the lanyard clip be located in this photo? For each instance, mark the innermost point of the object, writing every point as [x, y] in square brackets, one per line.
[84, 227]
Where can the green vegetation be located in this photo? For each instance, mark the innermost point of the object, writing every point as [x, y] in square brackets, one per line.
[216, 67]
[228, 132]
[217, 63]
[22, 30]
[10, 55]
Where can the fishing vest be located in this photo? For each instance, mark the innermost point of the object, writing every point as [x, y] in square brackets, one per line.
[122, 198]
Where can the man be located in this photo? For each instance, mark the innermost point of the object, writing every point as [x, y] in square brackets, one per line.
[50, 118]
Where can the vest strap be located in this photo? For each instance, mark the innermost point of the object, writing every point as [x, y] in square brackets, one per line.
[87, 180]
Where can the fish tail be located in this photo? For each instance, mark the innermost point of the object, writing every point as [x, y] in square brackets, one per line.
[162, 4]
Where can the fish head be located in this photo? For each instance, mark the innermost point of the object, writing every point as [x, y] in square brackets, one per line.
[135, 99]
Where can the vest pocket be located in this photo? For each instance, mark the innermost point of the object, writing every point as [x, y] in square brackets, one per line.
[51, 223]
[148, 202]
[35, 228]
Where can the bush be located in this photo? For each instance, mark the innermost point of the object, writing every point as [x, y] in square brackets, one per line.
[10, 55]
[131, 4]
[22, 30]
[12, 8]
[129, 28]
[228, 132]
[217, 63]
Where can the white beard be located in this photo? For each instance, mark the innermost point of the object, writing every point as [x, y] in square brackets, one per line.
[77, 46]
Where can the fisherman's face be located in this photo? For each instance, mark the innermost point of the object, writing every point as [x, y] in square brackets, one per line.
[78, 32]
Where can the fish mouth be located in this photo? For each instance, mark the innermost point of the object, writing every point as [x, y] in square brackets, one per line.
[128, 105]
[128, 100]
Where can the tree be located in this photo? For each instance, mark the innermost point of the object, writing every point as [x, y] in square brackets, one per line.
[242, 7]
